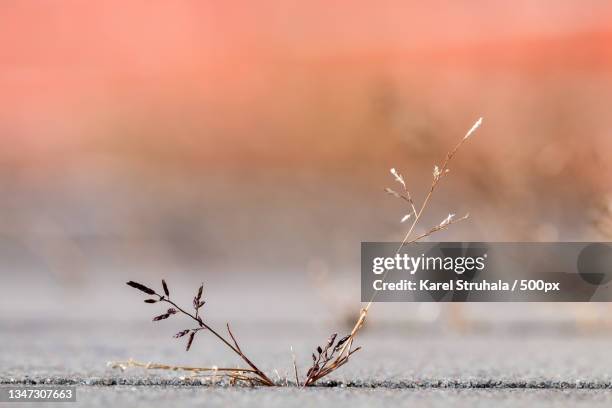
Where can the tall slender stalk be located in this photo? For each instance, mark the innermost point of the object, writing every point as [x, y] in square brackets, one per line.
[345, 351]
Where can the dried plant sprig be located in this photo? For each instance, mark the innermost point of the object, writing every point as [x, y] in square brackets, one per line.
[156, 366]
[473, 129]
[441, 171]
[404, 196]
[295, 369]
[253, 375]
[233, 374]
[334, 354]
[442, 226]
[322, 366]
[398, 177]
[324, 362]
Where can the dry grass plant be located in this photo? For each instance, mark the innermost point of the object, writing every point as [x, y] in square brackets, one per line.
[335, 352]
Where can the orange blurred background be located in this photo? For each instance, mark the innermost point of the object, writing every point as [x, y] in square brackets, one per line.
[198, 135]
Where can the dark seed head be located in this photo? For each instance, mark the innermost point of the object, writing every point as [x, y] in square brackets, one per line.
[150, 301]
[197, 303]
[200, 290]
[314, 358]
[343, 340]
[319, 350]
[171, 311]
[166, 291]
[181, 334]
[140, 287]
[191, 336]
[161, 317]
[331, 339]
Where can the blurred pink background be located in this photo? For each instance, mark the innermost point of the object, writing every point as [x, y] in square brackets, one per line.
[160, 138]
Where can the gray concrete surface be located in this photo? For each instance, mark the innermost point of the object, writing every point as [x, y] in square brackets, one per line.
[398, 366]
[125, 396]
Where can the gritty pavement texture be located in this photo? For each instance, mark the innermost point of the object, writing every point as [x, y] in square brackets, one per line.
[125, 396]
[397, 366]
